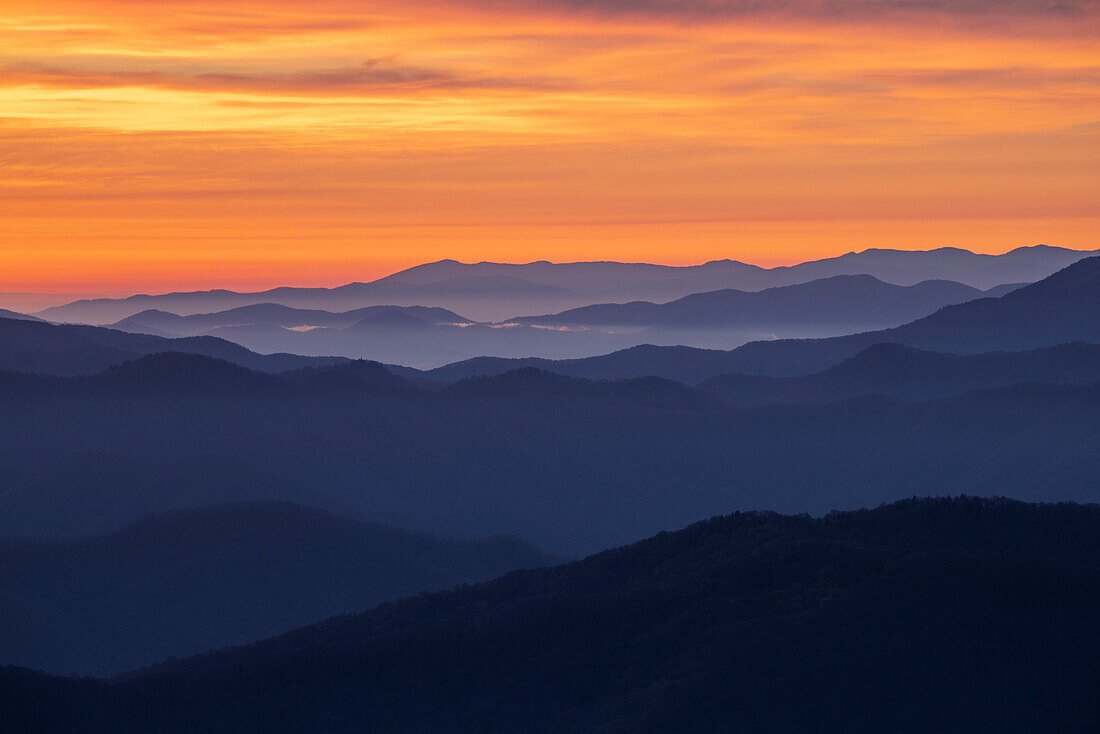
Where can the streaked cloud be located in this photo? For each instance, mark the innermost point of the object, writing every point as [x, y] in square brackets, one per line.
[164, 140]
[815, 8]
[370, 75]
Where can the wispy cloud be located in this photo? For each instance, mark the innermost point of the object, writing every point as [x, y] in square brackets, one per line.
[370, 75]
[187, 134]
[985, 12]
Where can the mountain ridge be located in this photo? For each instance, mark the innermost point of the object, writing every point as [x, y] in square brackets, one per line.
[39, 347]
[849, 300]
[634, 281]
[569, 465]
[430, 337]
[908, 373]
[1062, 308]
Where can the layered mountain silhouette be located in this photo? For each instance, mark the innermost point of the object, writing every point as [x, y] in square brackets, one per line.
[356, 377]
[532, 383]
[411, 335]
[926, 615]
[273, 314]
[30, 346]
[569, 464]
[844, 302]
[903, 267]
[912, 374]
[428, 337]
[6, 314]
[487, 296]
[496, 291]
[97, 491]
[1062, 308]
[193, 580]
[683, 364]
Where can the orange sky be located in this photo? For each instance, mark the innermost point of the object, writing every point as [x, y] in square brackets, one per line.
[150, 146]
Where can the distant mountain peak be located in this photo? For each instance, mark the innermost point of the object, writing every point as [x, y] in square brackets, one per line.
[569, 285]
[1040, 246]
[155, 312]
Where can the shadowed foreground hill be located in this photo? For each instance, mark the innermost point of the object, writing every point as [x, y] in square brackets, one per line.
[193, 580]
[933, 615]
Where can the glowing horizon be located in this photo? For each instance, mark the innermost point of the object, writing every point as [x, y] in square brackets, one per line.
[180, 145]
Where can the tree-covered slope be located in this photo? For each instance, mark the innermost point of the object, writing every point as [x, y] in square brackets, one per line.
[950, 615]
